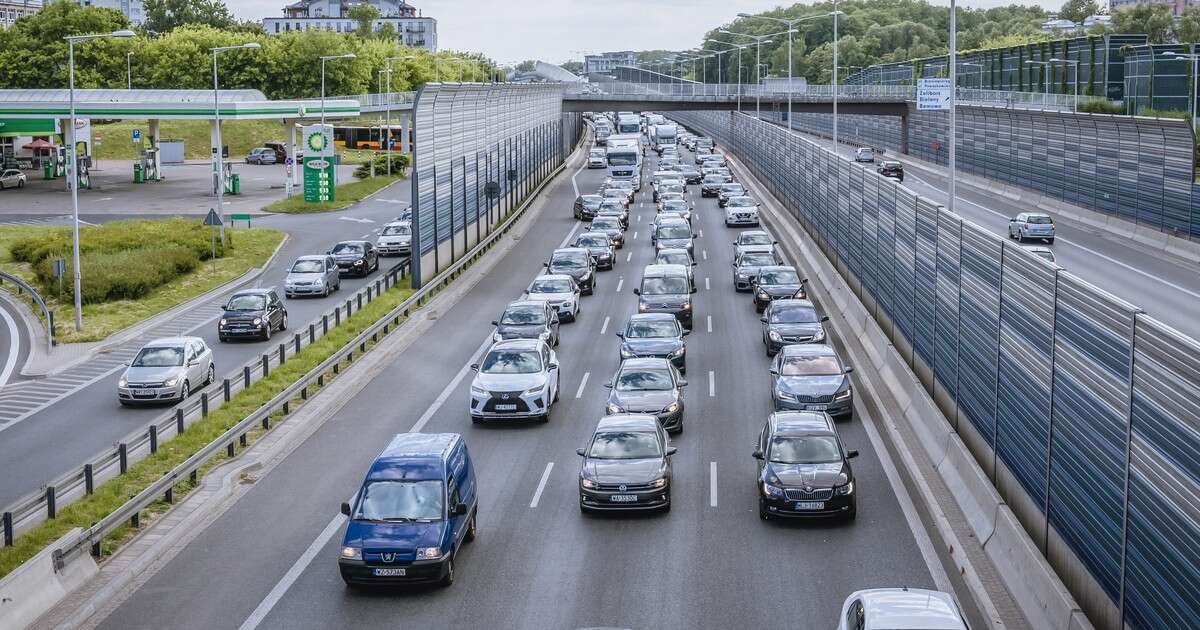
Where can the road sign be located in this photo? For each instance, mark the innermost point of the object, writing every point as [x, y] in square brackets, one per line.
[492, 190]
[137, 136]
[319, 173]
[933, 95]
[59, 268]
[213, 219]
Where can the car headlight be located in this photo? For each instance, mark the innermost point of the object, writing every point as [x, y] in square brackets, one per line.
[171, 382]
[687, 306]
[678, 352]
[122, 382]
[846, 489]
[626, 353]
[612, 408]
[588, 484]
[429, 553]
[819, 335]
[568, 304]
[642, 307]
[224, 321]
[784, 395]
[257, 321]
[842, 395]
[533, 391]
[496, 336]
[478, 391]
[763, 295]
[774, 336]
[359, 262]
[672, 408]
[658, 483]
[319, 281]
[772, 491]
[743, 276]
[352, 553]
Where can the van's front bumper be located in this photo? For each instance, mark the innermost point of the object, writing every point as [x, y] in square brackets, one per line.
[415, 571]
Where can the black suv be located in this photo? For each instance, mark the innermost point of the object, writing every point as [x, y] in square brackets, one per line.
[891, 168]
[586, 206]
[803, 470]
[254, 313]
[576, 262]
[355, 257]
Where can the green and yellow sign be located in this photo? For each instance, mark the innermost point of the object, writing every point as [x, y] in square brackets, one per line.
[320, 175]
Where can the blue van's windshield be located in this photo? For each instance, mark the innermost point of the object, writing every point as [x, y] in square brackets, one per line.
[402, 501]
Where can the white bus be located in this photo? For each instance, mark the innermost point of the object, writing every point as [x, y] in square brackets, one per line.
[625, 158]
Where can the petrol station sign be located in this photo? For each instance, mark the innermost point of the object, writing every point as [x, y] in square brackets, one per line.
[319, 172]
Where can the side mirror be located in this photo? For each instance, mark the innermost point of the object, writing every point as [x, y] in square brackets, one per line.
[345, 508]
[474, 367]
[552, 366]
[671, 450]
[621, 335]
[329, 252]
[773, 242]
[695, 236]
[851, 454]
[693, 263]
[580, 452]
[495, 323]
[804, 281]
[686, 332]
[763, 319]
[824, 318]
[849, 369]
[545, 264]
[694, 289]
[608, 386]
[460, 509]
[637, 291]
[757, 454]
[683, 382]
[774, 370]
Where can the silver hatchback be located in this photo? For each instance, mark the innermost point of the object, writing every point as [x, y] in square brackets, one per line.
[1031, 225]
[167, 371]
[312, 275]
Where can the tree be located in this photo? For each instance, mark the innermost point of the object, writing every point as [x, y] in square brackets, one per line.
[1154, 20]
[1188, 27]
[1078, 10]
[572, 66]
[164, 16]
[35, 55]
[387, 32]
[365, 15]
[526, 66]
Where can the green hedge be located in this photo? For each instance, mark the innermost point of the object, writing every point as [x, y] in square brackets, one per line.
[400, 163]
[1101, 107]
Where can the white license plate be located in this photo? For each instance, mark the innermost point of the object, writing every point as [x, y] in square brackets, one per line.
[816, 407]
[506, 407]
[810, 505]
[396, 572]
[623, 498]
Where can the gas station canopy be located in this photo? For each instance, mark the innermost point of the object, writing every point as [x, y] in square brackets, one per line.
[163, 105]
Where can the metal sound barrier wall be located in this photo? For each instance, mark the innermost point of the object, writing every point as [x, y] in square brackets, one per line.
[479, 151]
[1083, 410]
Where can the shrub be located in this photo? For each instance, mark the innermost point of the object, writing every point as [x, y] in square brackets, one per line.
[400, 163]
[1163, 113]
[124, 275]
[1101, 107]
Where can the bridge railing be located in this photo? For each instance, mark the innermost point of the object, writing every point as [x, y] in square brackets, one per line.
[379, 101]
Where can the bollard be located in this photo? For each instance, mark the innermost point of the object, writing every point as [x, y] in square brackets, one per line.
[324, 324]
[179, 422]
[245, 376]
[337, 367]
[312, 332]
[96, 549]
[225, 389]
[266, 366]
[286, 408]
[89, 480]
[304, 393]
[320, 380]
[266, 422]
[229, 449]
[337, 317]
[282, 353]
[8, 529]
[192, 477]
[169, 497]
[377, 288]
[50, 507]
[123, 455]
[203, 404]
[135, 521]
[362, 347]
[242, 439]
[297, 344]
[375, 335]
[153, 431]
[368, 297]
[349, 302]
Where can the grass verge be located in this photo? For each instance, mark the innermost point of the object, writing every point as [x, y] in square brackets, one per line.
[344, 195]
[251, 249]
[239, 135]
[113, 493]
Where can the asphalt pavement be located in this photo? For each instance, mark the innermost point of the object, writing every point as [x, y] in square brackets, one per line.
[52, 425]
[539, 563]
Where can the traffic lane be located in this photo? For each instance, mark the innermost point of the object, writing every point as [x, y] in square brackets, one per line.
[14, 342]
[269, 528]
[1166, 286]
[50, 442]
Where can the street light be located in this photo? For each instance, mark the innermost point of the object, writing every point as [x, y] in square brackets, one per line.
[739, 48]
[437, 67]
[323, 60]
[1174, 55]
[129, 70]
[1045, 80]
[717, 54]
[791, 24]
[387, 99]
[759, 40]
[220, 157]
[72, 177]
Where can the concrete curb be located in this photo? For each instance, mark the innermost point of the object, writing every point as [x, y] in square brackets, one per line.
[36, 585]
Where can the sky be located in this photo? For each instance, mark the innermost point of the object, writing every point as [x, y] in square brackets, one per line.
[563, 30]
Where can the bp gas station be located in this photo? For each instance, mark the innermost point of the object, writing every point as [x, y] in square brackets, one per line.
[47, 113]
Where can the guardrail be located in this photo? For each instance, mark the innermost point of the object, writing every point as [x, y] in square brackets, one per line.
[228, 441]
[23, 287]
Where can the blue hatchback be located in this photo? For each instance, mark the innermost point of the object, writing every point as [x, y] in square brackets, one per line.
[416, 507]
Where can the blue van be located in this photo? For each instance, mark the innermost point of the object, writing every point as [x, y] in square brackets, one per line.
[415, 508]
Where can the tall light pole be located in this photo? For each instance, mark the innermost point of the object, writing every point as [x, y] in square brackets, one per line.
[72, 164]
[387, 98]
[1045, 79]
[791, 26]
[1174, 55]
[325, 58]
[759, 40]
[437, 67]
[220, 157]
[717, 54]
[129, 70]
[953, 72]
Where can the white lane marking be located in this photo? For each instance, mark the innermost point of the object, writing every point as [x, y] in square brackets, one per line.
[368, 234]
[355, 219]
[640, 216]
[707, 286]
[712, 384]
[11, 363]
[391, 201]
[635, 236]
[1072, 243]
[537, 495]
[629, 257]
[604, 327]
[577, 172]
[264, 607]
[620, 283]
[700, 232]
[712, 484]
[570, 235]
[709, 318]
[704, 253]
[106, 199]
[582, 385]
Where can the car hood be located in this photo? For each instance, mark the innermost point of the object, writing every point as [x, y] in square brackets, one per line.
[674, 242]
[779, 290]
[152, 374]
[347, 257]
[518, 331]
[801, 475]
[292, 275]
[811, 385]
[509, 382]
[623, 470]
[670, 300]
[399, 537]
[242, 316]
[635, 402]
[748, 270]
[395, 238]
[653, 345]
[744, 249]
[574, 273]
[794, 329]
[599, 250]
[550, 297]
[729, 208]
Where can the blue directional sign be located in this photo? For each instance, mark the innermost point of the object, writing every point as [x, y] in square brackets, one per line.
[137, 136]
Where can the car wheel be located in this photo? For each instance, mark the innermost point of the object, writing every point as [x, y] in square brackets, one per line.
[266, 336]
[1020, 237]
[1050, 241]
[325, 293]
[471, 527]
[212, 375]
[758, 308]
[448, 578]
[20, 183]
[186, 391]
[283, 322]
[763, 515]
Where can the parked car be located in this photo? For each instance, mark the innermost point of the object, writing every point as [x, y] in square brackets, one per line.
[261, 155]
[777, 282]
[586, 206]
[811, 377]
[666, 289]
[597, 159]
[742, 210]
[900, 608]
[415, 508]
[1031, 225]
[575, 262]
[279, 149]
[395, 239]
[650, 386]
[803, 469]
[356, 257]
[312, 275]
[891, 168]
[654, 335]
[790, 321]
[626, 465]
[515, 379]
[167, 371]
[864, 154]
[252, 313]
[600, 246]
[747, 265]
[527, 319]
[560, 291]
[12, 178]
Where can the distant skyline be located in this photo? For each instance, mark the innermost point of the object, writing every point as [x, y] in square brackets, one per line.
[557, 30]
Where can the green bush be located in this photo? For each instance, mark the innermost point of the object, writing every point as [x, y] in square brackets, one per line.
[400, 163]
[1163, 113]
[1101, 107]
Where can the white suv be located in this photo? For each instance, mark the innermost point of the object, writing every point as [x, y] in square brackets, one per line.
[741, 210]
[900, 608]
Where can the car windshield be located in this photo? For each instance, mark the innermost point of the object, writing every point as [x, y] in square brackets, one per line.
[757, 238]
[612, 204]
[550, 285]
[674, 231]
[622, 159]
[804, 449]
[590, 201]
[732, 189]
[347, 248]
[625, 445]
[651, 329]
[825, 365]
[308, 266]
[615, 193]
[606, 224]
[667, 189]
[511, 362]
[246, 303]
[793, 314]
[786, 276]
[668, 257]
[1040, 220]
[159, 357]
[596, 153]
[891, 165]
[568, 262]
[524, 316]
[401, 501]
[642, 379]
[592, 240]
[739, 202]
[397, 230]
[674, 204]
[664, 285]
[756, 260]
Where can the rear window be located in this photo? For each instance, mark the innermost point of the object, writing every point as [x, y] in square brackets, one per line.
[1038, 219]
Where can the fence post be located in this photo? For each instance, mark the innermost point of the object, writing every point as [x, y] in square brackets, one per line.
[282, 353]
[337, 317]
[297, 343]
[225, 389]
[324, 324]
[123, 456]
[204, 404]
[89, 481]
[359, 298]
[51, 510]
[245, 376]
[153, 431]
[266, 366]
[8, 529]
[229, 449]
[179, 422]
[312, 331]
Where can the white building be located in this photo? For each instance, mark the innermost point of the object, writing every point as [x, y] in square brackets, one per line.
[10, 10]
[331, 15]
[605, 62]
[131, 8]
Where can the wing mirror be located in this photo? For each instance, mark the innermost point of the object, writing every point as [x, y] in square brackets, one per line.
[495, 323]
[763, 319]
[686, 332]
[345, 508]
[608, 386]
[757, 454]
[580, 452]
[851, 454]
[552, 366]
[620, 334]
[637, 291]
[671, 450]
[474, 367]
[683, 382]
[849, 369]
[774, 370]
[824, 318]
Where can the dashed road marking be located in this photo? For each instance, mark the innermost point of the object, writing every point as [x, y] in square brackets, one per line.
[537, 495]
[709, 322]
[712, 384]
[604, 327]
[712, 484]
[582, 385]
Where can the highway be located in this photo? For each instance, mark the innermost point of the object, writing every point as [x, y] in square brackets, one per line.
[51, 425]
[1164, 285]
[539, 563]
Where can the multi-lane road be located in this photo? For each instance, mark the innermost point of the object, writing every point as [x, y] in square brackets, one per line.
[539, 563]
[52, 425]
